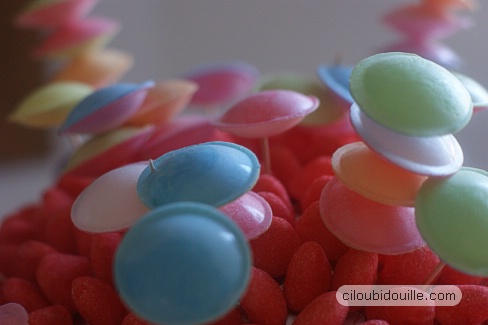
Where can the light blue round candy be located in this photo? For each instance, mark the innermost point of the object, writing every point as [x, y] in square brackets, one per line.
[182, 264]
[336, 78]
[214, 173]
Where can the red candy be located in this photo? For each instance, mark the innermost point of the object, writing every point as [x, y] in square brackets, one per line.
[405, 315]
[131, 319]
[452, 276]
[273, 250]
[312, 193]
[354, 268]
[97, 301]
[28, 256]
[308, 276]
[410, 268]
[269, 183]
[323, 310]
[234, 317]
[471, 310]
[263, 302]
[59, 232]
[302, 180]
[103, 247]
[279, 207]
[52, 315]
[25, 293]
[310, 227]
[56, 272]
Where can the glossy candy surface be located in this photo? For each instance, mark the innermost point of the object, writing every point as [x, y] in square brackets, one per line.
[214, 173]
[374, 177]
[432, 156]
[452, 216]
[367, 225]
[106, 108]
[410, 95]
[183, 263]
[110, 203]
[251, 213]
[267, 113]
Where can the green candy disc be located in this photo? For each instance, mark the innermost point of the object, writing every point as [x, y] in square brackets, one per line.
[452, 217]
[410, 95]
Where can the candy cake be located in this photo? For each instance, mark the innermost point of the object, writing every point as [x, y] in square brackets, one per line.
[227, 197]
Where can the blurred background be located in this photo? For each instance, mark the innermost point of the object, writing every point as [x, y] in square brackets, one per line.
[169, 37]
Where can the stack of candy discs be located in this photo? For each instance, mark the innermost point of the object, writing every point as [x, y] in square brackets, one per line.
[164, 216]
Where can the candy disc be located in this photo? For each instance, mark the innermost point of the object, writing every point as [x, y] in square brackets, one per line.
[410, 95]
[110, 203]
[251, 213]
[374, 177]
[13, 314]
[478, 93]
[367, 225]
[50, 105]
[214, 173]
[328, 110]
[221, 83]
[106, 108]
[336, 78]
[432, 156]
[182, 264]
[452, 216]
[267, 113]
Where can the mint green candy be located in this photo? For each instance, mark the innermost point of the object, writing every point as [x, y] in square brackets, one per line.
[452, 217]
[410, 95]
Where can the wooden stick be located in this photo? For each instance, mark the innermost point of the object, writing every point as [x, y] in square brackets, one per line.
[435, 272]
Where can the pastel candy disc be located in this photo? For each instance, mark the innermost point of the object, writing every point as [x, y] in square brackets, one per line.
[110, 203]
[336, 78]
[374, 177]
[432, 156]
[251, 213]
[185, 263]
[214, 173]
[367, 225]
[410, 94]
[478, 93]
[452, 216]
[267, 113]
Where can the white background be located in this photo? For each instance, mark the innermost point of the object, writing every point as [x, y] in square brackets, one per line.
[169, 37]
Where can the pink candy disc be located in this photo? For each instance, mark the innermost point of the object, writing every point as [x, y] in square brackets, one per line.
[251, 212]
[369, 174]
[367, 225]
[431, 156]
[222, 83]
[110, 203]
[76, 36]
[164, 101]
[50, 15]
[267, 113]
[13, 314]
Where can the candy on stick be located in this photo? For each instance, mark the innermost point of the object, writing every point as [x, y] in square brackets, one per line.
[478, 93]
[106, 108]
[110, 203]
[13, 314]
[265, 114]
[182, 263]
[49, 105]
[433, 156]
[164, 101]
[97, 67]
[374, 177]
[251, 213]
[222, 83]
[451, 214]
[48, 14]
[76, 36]
[410, 95]
[214, 173]
[367, 225]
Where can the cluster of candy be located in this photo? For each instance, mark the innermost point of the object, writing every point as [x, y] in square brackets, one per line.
[424, 26]
[166, 217]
